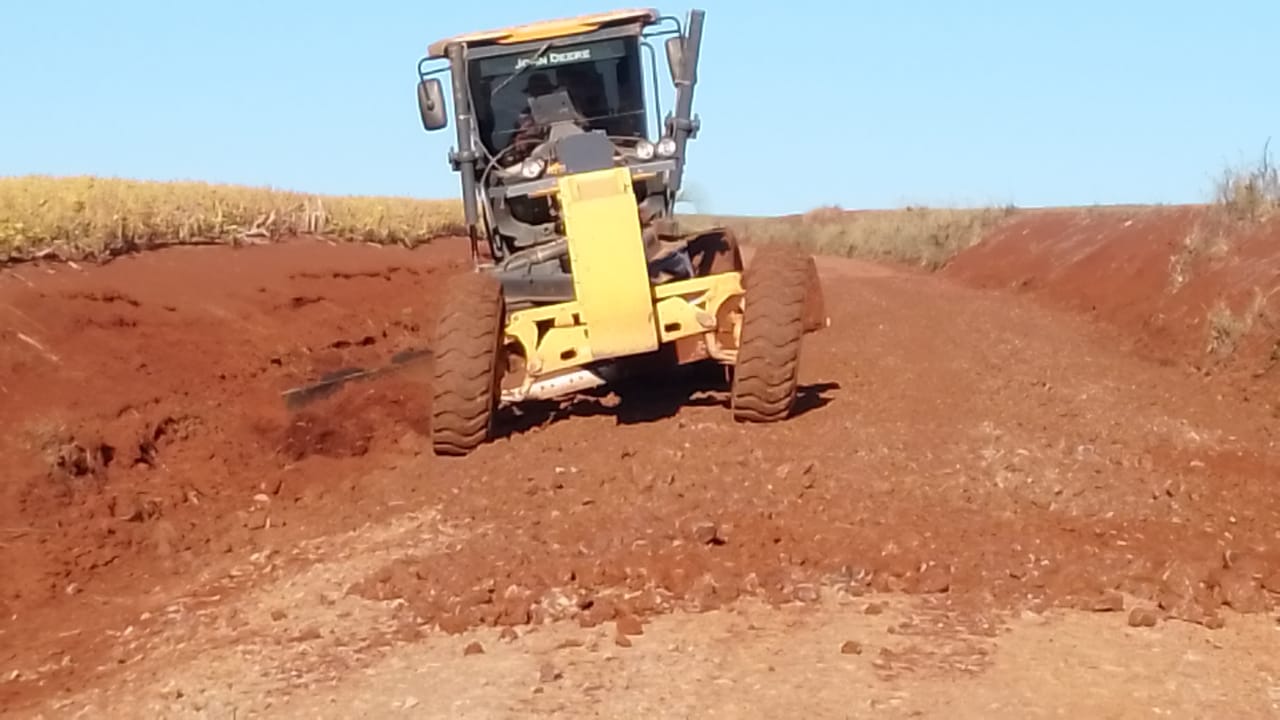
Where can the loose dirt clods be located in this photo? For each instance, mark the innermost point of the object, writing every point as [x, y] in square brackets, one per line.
[548, 673]
[851, 647]
[629, 625]
[1143, 617]
[1109, 602]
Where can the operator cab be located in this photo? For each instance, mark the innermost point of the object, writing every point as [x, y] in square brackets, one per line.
[535, 103]
[597, 87]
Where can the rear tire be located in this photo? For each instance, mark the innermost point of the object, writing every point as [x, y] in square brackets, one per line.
[815, 313]
[467, 350]
[766, 374]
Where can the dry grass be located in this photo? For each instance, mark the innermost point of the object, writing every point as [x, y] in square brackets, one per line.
[1250, 194]
[1207, 242]
[927, 237]
[89, 217]
[1243, 198]
[1227, 328]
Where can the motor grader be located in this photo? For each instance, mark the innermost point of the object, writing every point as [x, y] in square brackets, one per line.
[582, 271]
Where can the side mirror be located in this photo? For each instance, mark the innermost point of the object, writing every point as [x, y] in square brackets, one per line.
[675, 57]
[431, 104]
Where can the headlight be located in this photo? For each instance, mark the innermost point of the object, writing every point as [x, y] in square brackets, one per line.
[644, 150]
[532, 168]
[667, 147]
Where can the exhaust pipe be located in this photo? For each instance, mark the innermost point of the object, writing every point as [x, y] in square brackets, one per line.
[554, 387]
[682, 125]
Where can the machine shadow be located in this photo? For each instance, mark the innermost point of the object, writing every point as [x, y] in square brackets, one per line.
[645, 399]
[813, 397]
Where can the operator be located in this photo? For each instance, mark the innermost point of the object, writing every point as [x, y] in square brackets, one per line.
[528, 134]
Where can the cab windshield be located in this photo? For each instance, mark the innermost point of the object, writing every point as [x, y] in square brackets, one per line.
[603, 80]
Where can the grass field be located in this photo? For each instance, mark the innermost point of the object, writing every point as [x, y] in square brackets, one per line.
[927, 237]
[77, 218]
[88, 217]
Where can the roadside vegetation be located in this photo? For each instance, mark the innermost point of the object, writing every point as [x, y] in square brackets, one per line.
[926, 237]
[1244, 198]
[74, 218]
[1250, 193]
[89, 217]
[92, 217]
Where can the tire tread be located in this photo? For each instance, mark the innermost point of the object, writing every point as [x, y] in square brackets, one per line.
[465, 355]
[766, 373]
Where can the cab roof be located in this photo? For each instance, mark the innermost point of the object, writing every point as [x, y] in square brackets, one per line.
[546, 29]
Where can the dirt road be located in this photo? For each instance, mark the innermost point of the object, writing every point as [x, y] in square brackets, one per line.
[981, 506]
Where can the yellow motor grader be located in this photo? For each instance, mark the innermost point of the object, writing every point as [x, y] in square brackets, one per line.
[569, 178]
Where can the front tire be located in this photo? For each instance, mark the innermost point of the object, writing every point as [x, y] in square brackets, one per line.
[467, 350]
[766, 373]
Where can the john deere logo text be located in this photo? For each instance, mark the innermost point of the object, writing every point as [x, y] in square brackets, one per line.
[554, 58]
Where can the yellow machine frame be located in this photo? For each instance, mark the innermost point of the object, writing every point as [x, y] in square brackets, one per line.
[545, 29]
[617, 311]
[615, 322]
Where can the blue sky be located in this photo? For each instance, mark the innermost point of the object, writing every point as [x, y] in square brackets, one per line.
[803, 103]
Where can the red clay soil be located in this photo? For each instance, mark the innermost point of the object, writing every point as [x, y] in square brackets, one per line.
[1184, 284]
[145, 432]
[949, 441]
